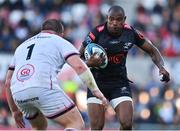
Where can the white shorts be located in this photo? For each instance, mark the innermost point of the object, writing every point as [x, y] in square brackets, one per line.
[51, 102]
[114, 102]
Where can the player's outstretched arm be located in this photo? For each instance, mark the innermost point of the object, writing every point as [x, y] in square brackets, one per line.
[18, 116]
[86, 76]
[156, 58]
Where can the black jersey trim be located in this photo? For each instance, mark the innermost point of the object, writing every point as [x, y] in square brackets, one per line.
[66, 57]
[11, 68]
[61, 113]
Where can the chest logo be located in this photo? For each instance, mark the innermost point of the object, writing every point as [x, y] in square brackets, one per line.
[127, 46]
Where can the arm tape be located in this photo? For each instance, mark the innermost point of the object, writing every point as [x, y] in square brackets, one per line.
[88, 79]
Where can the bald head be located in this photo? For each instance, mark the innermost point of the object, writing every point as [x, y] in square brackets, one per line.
[53, 25]
[116, 9]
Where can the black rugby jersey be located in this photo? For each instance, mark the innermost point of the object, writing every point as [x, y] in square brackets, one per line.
[116, 49]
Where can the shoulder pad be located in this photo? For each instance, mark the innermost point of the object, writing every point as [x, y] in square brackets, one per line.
[126, 26]
[92, 36]
[100, 28]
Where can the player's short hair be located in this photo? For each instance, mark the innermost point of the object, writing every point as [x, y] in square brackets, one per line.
[54, 25]
[117, 8]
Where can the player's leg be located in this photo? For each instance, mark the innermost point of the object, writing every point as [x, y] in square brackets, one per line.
[123, 106]
[33, 115]
[124, 112]
[38, 121]
[28, 106]
[71, 119]
[96, 112]
[56, 105]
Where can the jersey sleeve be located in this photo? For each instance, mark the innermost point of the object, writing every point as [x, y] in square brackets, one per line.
[91, 37]
[139, 37]
[12, 64]
[67, 49]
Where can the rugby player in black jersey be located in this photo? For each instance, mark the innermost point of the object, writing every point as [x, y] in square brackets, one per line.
[117, 38]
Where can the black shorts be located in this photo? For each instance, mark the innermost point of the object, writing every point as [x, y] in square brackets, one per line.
[113, 91]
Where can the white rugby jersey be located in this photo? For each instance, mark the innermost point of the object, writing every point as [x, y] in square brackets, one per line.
[38, 60]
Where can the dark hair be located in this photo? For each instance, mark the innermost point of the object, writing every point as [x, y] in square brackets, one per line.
[117, 8]
[54, 25]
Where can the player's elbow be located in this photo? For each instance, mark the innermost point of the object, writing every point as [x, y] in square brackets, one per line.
[7, 84]
[7, 88]
[152, 51]
[80, 68]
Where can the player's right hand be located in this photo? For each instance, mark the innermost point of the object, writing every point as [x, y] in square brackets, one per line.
[18, 117]
[97, 93]
[95, 60]
[165, 75]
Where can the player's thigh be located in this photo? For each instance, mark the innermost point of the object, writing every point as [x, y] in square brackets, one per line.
[96, 110]
[38, 122]
[27, 101]
[71, 118]
[122, 102]
[124, 111]
[56, 105]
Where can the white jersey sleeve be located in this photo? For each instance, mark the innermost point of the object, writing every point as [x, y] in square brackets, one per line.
[67, 49]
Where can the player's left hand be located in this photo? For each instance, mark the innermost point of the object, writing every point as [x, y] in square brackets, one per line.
[98, 94]
[165, 75]
[18, 117]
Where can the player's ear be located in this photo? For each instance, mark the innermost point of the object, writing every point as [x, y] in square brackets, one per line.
[106, 17]
[124, 18]
[61, 34]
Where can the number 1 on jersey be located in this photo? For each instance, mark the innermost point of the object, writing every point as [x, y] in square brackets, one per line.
[30, 49]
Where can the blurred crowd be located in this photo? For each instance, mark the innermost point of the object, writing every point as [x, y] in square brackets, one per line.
[154, 102]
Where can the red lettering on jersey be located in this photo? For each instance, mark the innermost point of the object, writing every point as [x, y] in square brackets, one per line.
[25, 71]
[100, 28]
[127, 26]
[116, 59]
[92, 36]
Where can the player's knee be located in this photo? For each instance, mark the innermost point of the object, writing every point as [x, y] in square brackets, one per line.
[40, 127]
[78, 124]
[126, 124]
[81, 124]
[97, 125]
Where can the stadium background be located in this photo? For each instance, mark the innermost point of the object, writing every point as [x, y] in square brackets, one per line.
[157, 105]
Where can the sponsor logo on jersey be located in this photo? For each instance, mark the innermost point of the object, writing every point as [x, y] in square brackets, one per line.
[25, 72]
[27, 100]
[124, 90]
[114, 42]
[127, 46]
[117, 58]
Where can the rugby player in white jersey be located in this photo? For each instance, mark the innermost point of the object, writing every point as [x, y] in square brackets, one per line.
[31, 82]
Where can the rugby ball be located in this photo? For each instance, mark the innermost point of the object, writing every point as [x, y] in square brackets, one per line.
[90, 49]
